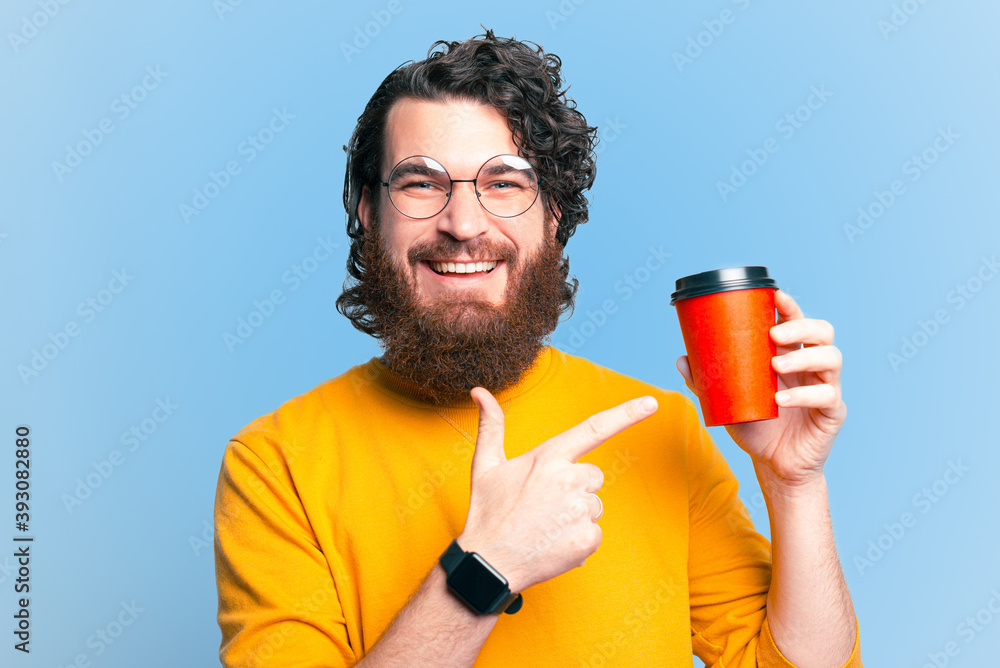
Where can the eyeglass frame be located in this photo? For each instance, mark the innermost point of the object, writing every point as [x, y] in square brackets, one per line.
[475, 187]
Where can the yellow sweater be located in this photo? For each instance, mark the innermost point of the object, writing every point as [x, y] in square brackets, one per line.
[331, 510]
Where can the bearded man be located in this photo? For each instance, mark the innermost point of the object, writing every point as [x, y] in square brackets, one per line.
[438, 506]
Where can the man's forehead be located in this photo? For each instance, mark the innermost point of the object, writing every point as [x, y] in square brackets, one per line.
[461, 134]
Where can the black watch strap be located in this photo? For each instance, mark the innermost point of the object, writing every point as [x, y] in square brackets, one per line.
[454, 554]
[451, 556]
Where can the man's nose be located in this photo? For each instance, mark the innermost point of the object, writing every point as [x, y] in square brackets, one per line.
[463, 217]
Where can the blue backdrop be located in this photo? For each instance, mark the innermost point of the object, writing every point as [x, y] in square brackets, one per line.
[168, 168]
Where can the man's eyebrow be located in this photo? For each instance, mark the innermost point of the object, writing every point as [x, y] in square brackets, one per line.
[416, 168]
[502, 168]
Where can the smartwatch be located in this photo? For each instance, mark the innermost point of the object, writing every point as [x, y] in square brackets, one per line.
[476, 583]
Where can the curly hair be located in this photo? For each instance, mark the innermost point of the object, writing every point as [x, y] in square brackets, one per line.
[521, 82]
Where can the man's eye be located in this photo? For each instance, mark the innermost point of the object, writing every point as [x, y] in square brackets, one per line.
[504, 185]
[420, 186]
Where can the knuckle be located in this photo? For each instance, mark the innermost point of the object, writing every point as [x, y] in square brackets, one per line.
[596, 535]
[579, 507]
[581, 542]
[588, 474]
[565, 478]
[598, 477]
[594, 428]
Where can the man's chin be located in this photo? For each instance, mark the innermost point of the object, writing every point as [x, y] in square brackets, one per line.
[449, 343]
[461, 319]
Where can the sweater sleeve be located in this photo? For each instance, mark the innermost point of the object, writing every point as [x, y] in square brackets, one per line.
[278, 602]
[729, 565]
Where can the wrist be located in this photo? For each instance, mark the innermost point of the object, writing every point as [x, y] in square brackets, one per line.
[776, 487]
[496, 555]
[476, 582]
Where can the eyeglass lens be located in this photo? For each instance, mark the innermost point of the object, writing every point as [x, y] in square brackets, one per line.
[420, 187]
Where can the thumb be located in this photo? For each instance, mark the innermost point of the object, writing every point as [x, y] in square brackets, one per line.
[685, 368]
[489, 441]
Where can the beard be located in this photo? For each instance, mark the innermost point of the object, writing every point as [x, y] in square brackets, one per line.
[461, 341]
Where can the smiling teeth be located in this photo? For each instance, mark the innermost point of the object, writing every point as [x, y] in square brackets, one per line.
[462, 267]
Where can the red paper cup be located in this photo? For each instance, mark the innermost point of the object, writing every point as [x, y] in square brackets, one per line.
[726, 317]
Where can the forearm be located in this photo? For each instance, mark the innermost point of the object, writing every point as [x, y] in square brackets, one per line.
[433, 629]
[809, 609]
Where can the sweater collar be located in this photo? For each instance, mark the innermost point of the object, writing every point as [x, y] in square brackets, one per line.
[406, 389]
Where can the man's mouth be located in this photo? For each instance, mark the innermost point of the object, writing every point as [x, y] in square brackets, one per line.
[455, 268]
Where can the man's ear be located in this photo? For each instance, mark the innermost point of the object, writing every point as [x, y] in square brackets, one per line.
[364, 208]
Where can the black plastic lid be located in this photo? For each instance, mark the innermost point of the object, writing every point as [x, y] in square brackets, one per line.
[721, 280]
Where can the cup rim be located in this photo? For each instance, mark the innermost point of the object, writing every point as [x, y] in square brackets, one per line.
[722, 280]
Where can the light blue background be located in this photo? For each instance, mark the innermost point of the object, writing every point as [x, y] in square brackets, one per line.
[669, 135]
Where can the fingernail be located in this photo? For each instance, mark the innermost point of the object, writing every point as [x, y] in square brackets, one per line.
[782, 397]
[648, 404]
[781, 363]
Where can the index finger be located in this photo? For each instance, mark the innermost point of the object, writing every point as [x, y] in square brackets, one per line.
[580, 439]
[787, 307]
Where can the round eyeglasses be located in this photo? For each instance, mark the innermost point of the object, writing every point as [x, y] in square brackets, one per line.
[420, 187]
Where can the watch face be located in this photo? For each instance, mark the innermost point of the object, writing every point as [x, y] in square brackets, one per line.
[477, 582]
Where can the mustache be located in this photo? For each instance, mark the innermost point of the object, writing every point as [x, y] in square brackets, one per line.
[477, 248]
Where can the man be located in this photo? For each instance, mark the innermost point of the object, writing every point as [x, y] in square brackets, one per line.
[346, 520]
